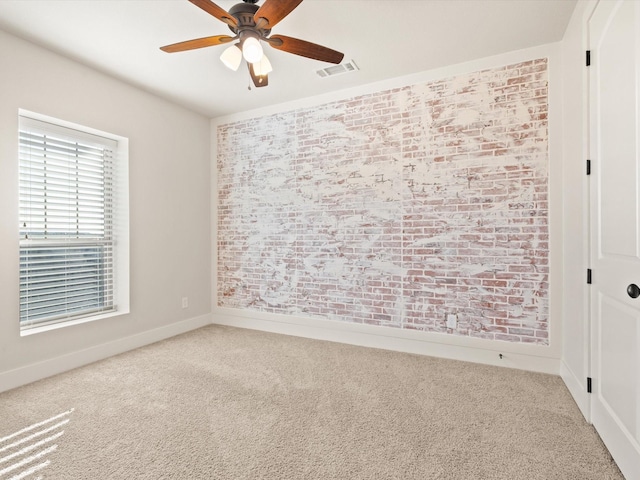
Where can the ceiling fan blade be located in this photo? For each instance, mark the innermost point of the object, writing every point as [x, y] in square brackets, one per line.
[258, 80]
[272, 11]
[305, 49]
[197, 43]
[218, 12]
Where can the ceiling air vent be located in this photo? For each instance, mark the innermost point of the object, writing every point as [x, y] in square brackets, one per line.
[338, 69]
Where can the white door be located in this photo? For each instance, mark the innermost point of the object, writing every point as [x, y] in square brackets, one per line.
[614, 38]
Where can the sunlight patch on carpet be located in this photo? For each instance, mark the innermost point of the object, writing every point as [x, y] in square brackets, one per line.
[24, 453]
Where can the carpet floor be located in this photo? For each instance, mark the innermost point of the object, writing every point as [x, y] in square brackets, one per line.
[228, 403]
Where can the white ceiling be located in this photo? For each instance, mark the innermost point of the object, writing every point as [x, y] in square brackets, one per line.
[386, 38]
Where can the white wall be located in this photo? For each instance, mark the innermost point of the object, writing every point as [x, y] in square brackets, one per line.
[575, 353]
[170, 247]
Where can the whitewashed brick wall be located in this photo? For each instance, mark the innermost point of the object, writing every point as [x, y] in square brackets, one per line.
[395, 208]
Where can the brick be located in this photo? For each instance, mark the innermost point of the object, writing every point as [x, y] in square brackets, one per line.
[395, 207]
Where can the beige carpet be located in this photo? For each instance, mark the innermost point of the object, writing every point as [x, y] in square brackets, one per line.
[225, 403]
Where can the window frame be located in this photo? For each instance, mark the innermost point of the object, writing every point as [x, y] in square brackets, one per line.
[115, 231]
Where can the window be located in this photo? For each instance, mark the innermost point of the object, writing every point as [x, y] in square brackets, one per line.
[70, 192]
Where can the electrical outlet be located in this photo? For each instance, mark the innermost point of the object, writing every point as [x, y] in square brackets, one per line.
[185, 302]
[452, 320]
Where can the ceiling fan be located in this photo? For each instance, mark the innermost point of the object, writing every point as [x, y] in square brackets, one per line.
[251, 25]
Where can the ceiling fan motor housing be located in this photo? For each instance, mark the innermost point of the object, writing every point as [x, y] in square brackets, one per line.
[243, 13]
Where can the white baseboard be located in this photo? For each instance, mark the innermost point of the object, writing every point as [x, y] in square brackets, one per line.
[578, 389]
[524, 357]
[37, 371]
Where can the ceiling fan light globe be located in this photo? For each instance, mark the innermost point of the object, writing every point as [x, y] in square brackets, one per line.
[232, 57]
[252, 50]
[262, 67]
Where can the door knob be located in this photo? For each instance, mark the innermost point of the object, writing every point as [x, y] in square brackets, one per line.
[633, 290]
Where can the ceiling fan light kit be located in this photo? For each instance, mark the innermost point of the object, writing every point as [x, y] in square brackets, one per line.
[263, 66]
[232, 57]
[251, 25]
[251, 49]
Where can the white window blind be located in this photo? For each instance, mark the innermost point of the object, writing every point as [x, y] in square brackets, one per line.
[66, 223]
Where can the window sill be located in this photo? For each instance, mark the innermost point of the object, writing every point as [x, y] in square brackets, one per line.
[54, 326]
